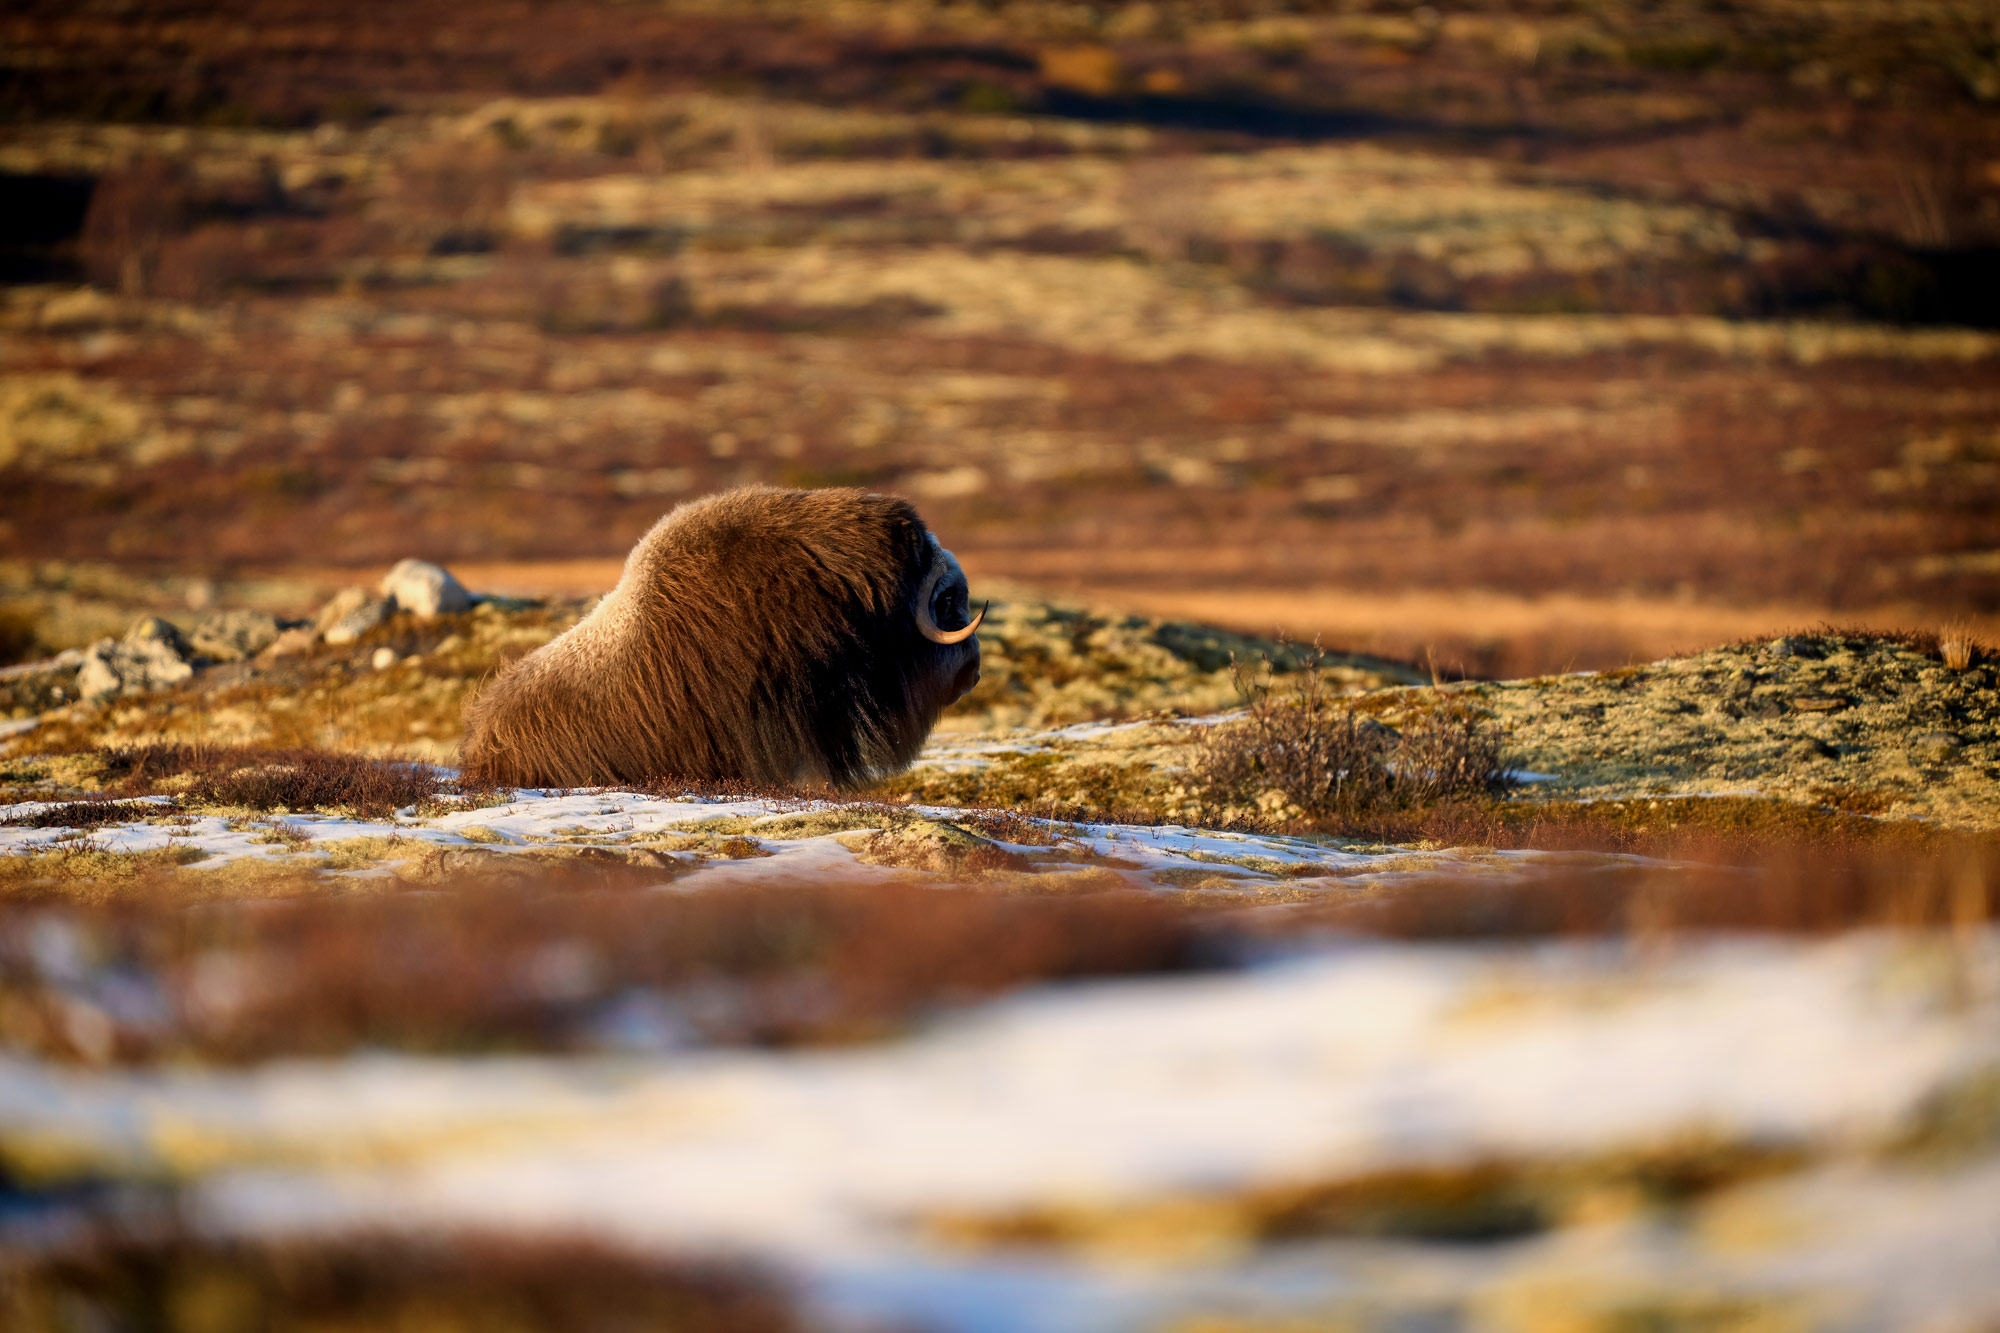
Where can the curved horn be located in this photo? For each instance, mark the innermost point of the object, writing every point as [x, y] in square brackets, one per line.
[926, 625]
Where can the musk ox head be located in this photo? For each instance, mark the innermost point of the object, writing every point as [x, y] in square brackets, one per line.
[760, 635]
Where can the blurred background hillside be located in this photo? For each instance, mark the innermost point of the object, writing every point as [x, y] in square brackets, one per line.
[1519, 336]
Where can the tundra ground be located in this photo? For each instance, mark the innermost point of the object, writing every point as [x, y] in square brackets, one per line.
[1649, 344]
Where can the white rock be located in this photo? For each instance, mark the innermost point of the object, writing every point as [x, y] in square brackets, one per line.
[384, 658]
[425, 590]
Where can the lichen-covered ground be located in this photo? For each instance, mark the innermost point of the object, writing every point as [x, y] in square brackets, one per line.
[1859, 722]
[1084, 714]
[1865, 724]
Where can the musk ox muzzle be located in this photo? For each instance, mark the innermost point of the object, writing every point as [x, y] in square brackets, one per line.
[761, 635]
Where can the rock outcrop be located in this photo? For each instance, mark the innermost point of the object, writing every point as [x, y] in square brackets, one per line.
[416, 586]
[152, 656]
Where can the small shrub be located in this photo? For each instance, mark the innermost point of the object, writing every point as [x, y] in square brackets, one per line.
[284, 835]
[1322, 757]
[1309, 751]
[313, 779]
[81, 814]
[1447, 754]
[296, 779]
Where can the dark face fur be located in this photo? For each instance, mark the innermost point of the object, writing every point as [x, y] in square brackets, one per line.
[951, 609]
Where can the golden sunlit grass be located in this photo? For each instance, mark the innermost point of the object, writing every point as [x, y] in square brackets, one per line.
[1958, 649]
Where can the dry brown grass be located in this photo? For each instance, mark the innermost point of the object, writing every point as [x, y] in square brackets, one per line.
[160, 1275]
[1788, 889]
[531, 954]
[264, 779]
[527, 953]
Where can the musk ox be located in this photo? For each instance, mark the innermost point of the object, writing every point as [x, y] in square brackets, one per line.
[761, 635]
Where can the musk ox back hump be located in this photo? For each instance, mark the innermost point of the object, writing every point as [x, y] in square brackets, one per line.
[762, 635]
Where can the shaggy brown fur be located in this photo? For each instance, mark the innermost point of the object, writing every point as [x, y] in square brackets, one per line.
[762, 635]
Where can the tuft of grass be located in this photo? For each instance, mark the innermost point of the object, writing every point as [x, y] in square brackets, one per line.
[284, 835]
[1957, 648]
[367, 853]
[935, 846]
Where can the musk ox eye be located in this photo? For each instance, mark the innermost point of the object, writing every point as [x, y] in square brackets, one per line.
[945, 597]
